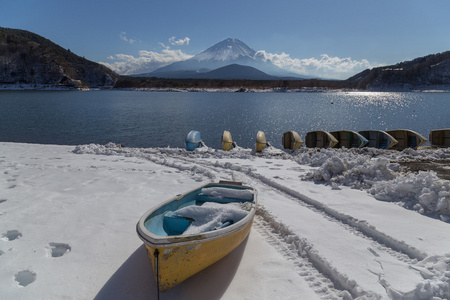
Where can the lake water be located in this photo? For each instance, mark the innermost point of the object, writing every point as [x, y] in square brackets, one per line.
[160, 119]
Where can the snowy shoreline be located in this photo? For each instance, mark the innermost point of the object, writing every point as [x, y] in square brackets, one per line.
[367, 169]
[69, 214]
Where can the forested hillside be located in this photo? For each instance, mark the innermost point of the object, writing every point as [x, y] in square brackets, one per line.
[27, 58]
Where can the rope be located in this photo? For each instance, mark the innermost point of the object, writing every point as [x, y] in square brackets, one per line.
[156, 253]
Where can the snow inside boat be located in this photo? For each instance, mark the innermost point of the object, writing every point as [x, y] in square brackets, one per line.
[193, 230]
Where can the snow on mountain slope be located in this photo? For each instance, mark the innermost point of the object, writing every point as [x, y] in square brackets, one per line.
[228, 49]
[227, 52]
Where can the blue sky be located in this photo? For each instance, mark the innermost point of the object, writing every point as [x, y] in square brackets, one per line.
[324, 38]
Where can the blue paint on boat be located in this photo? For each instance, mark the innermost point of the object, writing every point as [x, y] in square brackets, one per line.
[164, 222]
[193, 140]
[364, 140]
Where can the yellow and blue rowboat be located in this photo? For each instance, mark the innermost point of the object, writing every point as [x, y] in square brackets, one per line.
[406, 138]
[291, 140]
[378, 139]
[320, 139]
[175, 256]
[349, 139]
[440, 137]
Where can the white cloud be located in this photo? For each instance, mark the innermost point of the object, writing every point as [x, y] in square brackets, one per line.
[179, 42]
[147, 61]
[325, 67]
[123, 36]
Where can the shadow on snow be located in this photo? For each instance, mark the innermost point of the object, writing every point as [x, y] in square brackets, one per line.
[135, 279]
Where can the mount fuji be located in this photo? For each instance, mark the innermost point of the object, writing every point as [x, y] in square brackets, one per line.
[228, 59]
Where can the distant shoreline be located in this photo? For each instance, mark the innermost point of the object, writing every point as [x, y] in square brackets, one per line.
[52, 87]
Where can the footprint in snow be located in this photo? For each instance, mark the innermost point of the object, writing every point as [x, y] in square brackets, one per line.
[25, 277]
[58, 249]
[11, 235]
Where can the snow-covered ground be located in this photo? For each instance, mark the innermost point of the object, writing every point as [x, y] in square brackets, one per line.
[331, 224]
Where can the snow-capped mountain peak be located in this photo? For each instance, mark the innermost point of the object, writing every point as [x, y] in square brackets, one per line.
[225, 53]
[228, 49]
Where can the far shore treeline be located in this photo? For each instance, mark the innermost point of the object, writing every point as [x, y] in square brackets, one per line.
[125, 82]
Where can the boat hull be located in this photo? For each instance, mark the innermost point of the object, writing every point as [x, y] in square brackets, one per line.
[227, 141]
[178, 263]
[193, 140]
[291, 140]
[407, 138]
[175, 258]
[261, 141]
[378, 139]
[349, 139]
[440, 137]
[320, 139]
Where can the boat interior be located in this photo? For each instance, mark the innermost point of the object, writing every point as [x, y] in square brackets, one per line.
[163, 222]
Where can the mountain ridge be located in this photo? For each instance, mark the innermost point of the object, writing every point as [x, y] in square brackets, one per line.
[28, 58]
[427, 71]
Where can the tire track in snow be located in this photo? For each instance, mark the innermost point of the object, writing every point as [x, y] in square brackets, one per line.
[364, 228]
[300, 253]
[348, 287]
[287, 242]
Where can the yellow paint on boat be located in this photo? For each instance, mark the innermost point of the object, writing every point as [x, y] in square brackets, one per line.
[320, 139]
[227, 141]
[174, 258]
[260, 141]
[179, 262]
[440, 137]
[291, 140]
[406, 139]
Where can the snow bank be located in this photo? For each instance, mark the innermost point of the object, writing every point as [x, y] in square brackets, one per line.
[372, 170]
[424, 191]
[211, 215]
